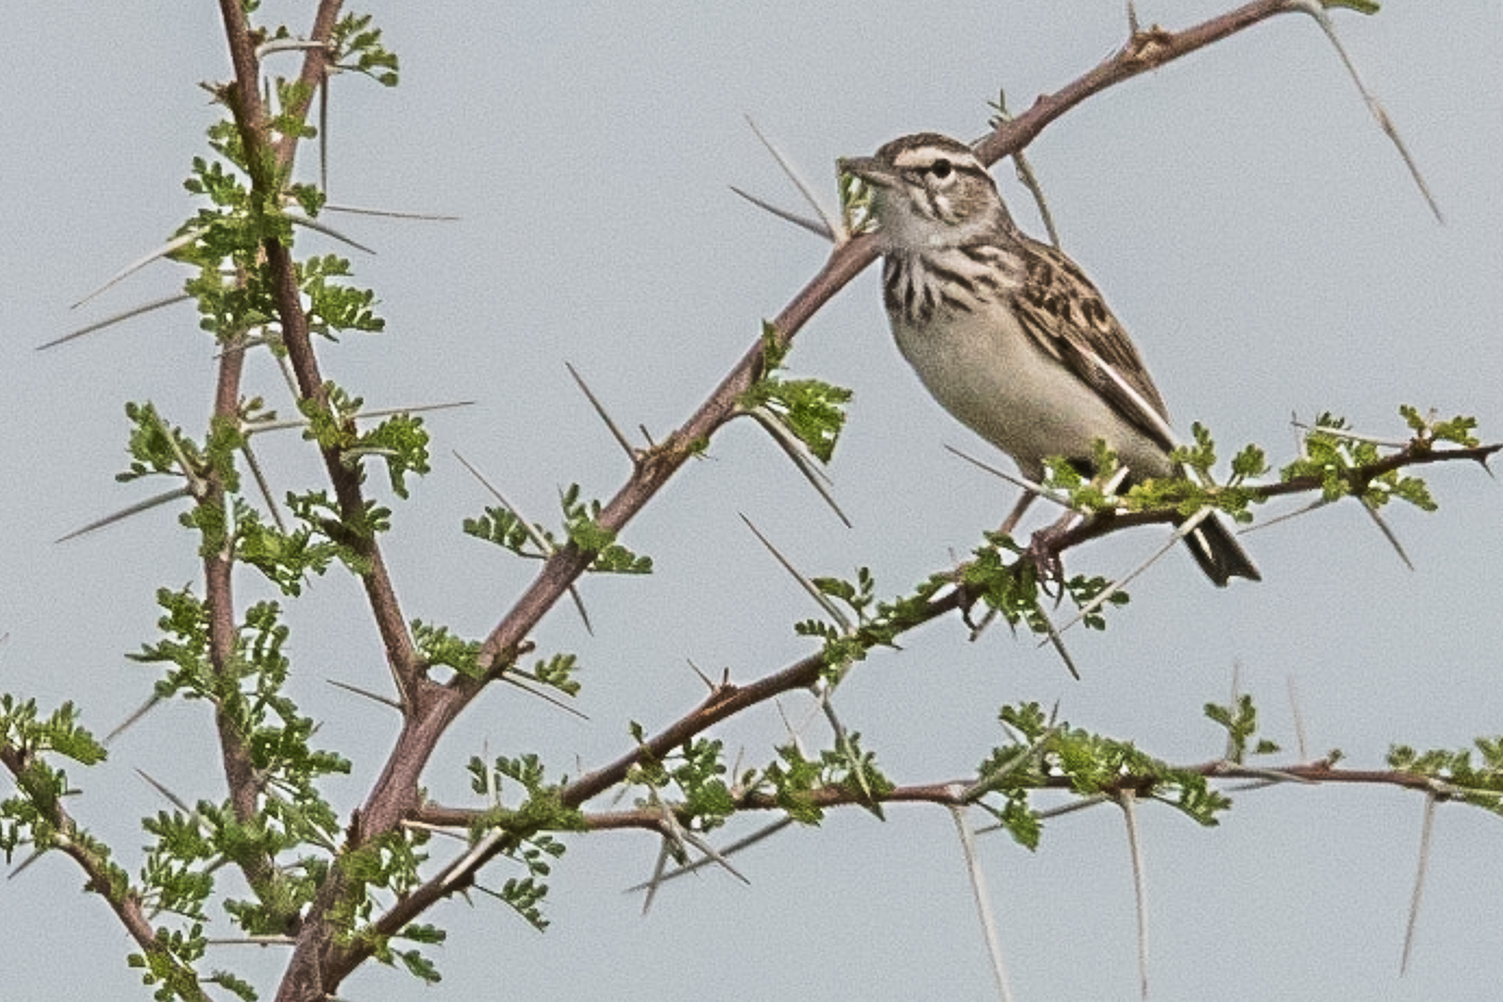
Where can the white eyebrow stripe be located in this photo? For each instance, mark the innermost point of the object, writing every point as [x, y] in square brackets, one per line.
[925, 156]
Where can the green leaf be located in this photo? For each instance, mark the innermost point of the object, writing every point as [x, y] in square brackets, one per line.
[438, 647]
[419, 966]
[503, 528]
[582, 524]
[235, 985]
[1202, 455]
[811, 410]
[1250, 462]
[286, 559]
[558, 672]
[1241, 722]
[1456, 774]
[525, 894]
[357, 46]
[333, 306]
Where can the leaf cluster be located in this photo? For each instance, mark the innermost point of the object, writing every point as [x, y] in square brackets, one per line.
[1049, 754]
[1458, 775]
[1335, 457]
[386, 865]
[811, 410]
[581, 526]
[522, 833]
[294, 825]
[795, 778]
[696, 771]
[400, 441]
[331, 305]
[33, 816]
[357, 46]
[1240, 719]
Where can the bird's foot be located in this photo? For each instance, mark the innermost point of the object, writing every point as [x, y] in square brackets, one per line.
[1043, 552]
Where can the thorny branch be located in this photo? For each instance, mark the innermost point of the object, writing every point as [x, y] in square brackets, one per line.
[954, 793]
[1144, 51]
[126, 904]
[1422, 456]
[428, 707]
[319, 963]
[729, 700]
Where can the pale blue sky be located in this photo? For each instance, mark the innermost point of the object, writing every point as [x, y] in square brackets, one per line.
[1242, 214]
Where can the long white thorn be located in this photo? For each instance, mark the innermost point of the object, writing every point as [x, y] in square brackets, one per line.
[176, 243]
[1426, 831]
[155, 304]
[798, 182]
[831, 609]
[1127, 800]
[1374, 106]
[123, 513]
[361, 210]
[815, 226]
[983, 903]
[798, 453]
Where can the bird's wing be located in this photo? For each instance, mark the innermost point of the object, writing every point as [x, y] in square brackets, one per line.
[1066, 316]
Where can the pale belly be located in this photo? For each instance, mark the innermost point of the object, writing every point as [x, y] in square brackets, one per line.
[995, 382]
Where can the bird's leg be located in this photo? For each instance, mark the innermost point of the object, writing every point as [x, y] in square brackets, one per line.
[966, 600]
[1042, 547]
[1042, 551]
[1013, 517]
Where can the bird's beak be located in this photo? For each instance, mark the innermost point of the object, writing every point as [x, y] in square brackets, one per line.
[869, 169]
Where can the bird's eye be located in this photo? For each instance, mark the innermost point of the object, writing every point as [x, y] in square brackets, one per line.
[941, 168]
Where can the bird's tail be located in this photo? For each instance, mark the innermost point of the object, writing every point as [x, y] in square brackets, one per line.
[1219, 554]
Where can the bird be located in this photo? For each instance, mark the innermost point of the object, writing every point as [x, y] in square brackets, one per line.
[1009, 335]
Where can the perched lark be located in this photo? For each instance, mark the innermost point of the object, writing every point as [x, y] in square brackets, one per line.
[1009, 335]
